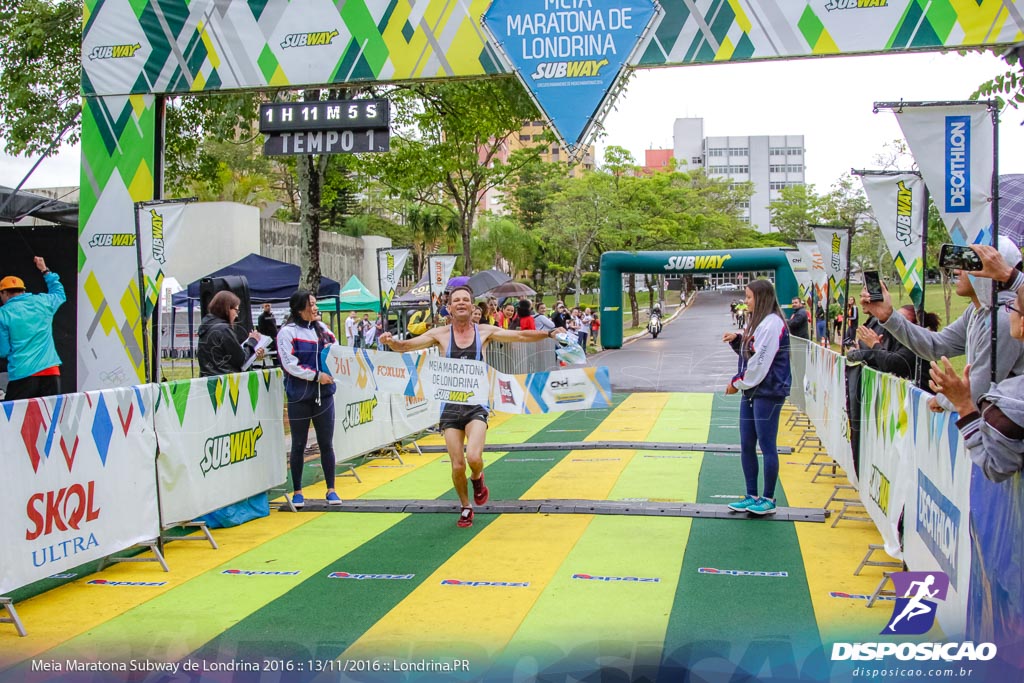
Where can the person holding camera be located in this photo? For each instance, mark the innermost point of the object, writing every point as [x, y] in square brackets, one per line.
[969, 335]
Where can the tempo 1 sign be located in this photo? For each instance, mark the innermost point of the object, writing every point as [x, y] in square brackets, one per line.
[327, 142]
[328, 127]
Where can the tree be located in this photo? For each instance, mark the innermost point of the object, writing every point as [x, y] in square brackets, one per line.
[452, 145]
[797, 208]
[40, 73]
[1007, 88]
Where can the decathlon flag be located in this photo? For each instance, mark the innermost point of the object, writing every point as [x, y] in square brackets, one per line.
[898, 203]
[439, 267]
[390, 264]
[953, 148]
[800, 271]
[832, 244]
[456, 380]
[547, 392]
[159, 225]
[815, 265]
[77, 482]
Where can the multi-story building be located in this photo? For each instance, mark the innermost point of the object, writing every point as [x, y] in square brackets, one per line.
[769, 162]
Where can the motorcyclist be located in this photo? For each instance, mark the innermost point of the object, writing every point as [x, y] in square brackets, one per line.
[654, 322]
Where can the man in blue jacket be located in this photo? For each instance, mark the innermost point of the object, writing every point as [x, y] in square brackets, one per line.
[26, 335]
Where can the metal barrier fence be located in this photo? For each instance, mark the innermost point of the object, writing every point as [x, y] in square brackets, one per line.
[521, 358]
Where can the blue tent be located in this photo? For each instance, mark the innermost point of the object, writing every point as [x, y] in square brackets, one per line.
[269, 281]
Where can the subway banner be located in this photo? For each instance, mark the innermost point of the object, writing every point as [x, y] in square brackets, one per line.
[78, 481]
[937, 523]
[221, 441]
[886, 458]
[439, 269]
[825, 396]
[159, 225]
[898, 201]
[390, 264]
[833, 244]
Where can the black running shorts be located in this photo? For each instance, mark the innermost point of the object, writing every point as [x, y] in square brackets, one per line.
[457, 416]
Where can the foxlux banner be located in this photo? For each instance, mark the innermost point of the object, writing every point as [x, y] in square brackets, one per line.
[439, 268]
[78, 481]
[832, 244]
[953, 147]
[569, 53]
[898, 203]
[815, 265]
[221, 440]
[886, 453]
[390, 264]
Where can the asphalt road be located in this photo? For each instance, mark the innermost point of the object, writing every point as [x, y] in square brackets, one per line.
[688, 355]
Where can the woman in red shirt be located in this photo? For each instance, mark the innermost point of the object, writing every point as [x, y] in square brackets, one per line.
[525, 313]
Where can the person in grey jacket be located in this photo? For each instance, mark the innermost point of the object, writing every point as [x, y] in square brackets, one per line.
[968, 335]
[993, 428]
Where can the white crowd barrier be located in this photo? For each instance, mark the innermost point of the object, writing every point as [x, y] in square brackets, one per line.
[221, 441]
[79, 480]
[915, 466]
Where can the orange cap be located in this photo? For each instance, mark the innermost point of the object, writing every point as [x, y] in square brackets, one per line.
[12, 282]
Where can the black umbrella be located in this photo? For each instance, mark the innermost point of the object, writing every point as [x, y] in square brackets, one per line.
[486, 280]
[514, 289]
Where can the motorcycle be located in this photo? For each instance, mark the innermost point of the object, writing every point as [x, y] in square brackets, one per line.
[654, 324]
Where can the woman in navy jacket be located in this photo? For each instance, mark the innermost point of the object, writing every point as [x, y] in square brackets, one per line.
[764, 378]
[309, 388]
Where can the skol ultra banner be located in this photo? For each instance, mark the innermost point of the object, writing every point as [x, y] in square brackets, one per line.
[937, 523]
[556, 391]
[78, 481]
[833, 245]
[886, 458]
[898, 203]
[825, 396]
[439, 269]
[811, 256]
[221, 440]
[390, 264]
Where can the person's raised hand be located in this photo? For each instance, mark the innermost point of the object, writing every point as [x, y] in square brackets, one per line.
[40, 263]
[880, 309]
[955, 387]
[869, 337]
[993, 265]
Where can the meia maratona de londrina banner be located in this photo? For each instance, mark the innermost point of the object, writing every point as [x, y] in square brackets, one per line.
[470, 382]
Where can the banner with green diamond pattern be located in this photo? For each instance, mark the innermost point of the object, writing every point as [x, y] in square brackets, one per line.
[221, 441]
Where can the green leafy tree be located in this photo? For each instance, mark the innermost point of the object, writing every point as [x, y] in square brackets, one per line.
[1007, 88]
[40, 73]
[797, 208]
[452, 145]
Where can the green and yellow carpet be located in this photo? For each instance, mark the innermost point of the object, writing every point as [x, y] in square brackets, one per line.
[379, 596]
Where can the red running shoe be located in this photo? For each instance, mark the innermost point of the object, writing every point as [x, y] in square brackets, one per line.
[465, 518]
[480, 492]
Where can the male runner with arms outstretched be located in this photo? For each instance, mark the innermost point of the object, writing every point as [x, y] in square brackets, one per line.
[465, 426]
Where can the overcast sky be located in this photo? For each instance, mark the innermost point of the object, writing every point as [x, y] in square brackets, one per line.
[828, 101]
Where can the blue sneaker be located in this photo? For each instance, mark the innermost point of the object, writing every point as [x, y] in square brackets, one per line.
[763, 506]
[743, 505]
[298, 500]
[333, 499]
